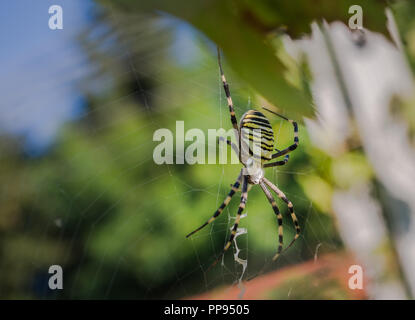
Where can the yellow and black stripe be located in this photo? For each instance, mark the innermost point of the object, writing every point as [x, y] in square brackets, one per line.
[296, 140]
[257, 134]
[277, 163]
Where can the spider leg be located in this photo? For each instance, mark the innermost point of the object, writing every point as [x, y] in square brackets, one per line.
[282, 196]
[230, 105]
[230, 143]
[244, 198]
[228, 198]
[277, 213]
[228, 97]
[234, 147]
[242, 204]
[291, 147]
[296, 141]
[277, 163]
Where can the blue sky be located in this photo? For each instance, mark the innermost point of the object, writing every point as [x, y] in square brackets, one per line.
[40, 68]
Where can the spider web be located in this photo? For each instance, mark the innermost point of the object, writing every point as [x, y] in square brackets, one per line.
[110, 278]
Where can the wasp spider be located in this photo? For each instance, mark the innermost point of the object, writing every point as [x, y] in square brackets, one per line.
[255, 146]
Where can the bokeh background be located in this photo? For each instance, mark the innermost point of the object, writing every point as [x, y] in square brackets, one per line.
[79, 187]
